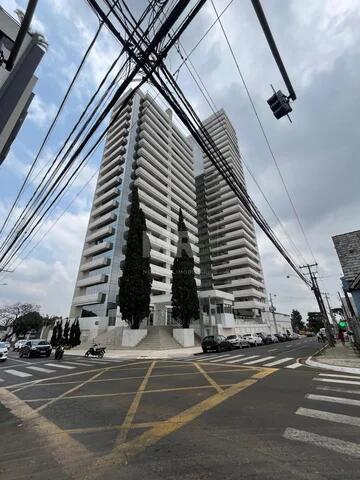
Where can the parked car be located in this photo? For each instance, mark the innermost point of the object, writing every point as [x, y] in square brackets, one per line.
[265, 338]
[18, 345]
[234, 340]
[3, 352]
[8, 345]
[280, 337]
[274, 338]
[243, 342]
[310, 334]
[215, 342]
[254, 340]
[35, 348]
[295, 336]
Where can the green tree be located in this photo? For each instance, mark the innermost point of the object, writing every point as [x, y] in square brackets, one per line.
[11, 315]
[53, 340]
[184, 300]
[315, 321]
[72, 334]
[66, 332]
[77, 333]
[59, 331]
[135, 283]
[296, 321]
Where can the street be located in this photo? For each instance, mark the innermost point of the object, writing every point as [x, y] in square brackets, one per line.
[199, 418]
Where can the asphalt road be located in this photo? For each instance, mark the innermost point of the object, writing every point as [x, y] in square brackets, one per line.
[203, 418]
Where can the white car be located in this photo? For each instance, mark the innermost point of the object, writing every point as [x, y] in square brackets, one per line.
[18, 345]
[254, 340]
[3, 352]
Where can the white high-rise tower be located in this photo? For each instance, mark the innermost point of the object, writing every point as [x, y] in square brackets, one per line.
[145, 148]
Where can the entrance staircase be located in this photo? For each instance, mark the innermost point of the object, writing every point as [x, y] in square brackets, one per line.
[158, 338]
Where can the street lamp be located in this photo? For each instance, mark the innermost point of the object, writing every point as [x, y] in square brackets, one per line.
[273, 310]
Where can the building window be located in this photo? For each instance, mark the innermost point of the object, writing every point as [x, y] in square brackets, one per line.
[219, 308]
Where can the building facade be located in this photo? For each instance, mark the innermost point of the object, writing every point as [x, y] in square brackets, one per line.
[229, 256]
[16, 86]
[143, 148]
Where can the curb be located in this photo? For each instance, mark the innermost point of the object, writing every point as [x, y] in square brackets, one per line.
[334, 368]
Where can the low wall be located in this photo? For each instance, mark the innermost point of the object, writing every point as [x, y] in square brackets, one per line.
[184, 336]
[131, 338]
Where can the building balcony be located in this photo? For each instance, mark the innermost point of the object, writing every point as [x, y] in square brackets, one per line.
[94, 280]
[108, 218]
[98, 248]
[100, 234]
[249, 305]
[89, 299]
[117, 170]
[248, 292]
[162, 287]
[112, 193]
[94, 264]
[107, 207]
[106, 186]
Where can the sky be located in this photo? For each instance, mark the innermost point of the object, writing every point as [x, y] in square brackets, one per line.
[316, 153]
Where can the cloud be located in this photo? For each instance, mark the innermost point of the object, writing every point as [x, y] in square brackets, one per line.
[41, 112]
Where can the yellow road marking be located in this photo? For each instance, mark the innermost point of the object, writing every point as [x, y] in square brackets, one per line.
[33, 383]
[118, 394]
[67, 451]
[134, 405]
[111, 427]
[122, 452]
[208, 378]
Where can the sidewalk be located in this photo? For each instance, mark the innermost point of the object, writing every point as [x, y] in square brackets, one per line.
[341, 358]
[140, 354]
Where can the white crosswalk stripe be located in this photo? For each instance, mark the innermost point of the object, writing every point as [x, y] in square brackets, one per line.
[294, 365]
[58, 365]
[77, 363]
[351, 377]
[235, 358]
[243, 359]
[335, 380]
[18, 373]
[217, 357]
[337, 389]
[259, 360]
[329, 416]
[40, 369]
[279, 362]
[326, 398]
[334, 444]
[220, 359]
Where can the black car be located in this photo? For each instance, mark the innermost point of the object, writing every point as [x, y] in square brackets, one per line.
[215, 342]
[35, 348]
[280, 337]
[265, 338]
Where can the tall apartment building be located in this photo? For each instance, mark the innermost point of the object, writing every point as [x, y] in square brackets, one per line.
[145, 148]
[16, 86]
[229, 257]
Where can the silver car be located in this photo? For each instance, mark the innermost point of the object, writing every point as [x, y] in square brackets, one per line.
[3, 352]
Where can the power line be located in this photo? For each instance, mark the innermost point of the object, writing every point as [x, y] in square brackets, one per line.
[263, 132]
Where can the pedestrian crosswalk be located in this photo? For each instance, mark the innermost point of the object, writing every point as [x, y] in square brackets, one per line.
[242, 359]
[27, 371]
[326, 405]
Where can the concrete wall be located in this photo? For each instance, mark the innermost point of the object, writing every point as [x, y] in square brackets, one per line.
[347, 248]
[132, 337]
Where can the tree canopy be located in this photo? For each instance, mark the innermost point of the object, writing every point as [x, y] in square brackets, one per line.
[136, 280]
[315, 321]
[296, 321]
[184, 300]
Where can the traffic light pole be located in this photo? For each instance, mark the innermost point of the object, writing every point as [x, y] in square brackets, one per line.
[315, 288]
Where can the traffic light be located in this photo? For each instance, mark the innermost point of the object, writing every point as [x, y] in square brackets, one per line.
[279, 104]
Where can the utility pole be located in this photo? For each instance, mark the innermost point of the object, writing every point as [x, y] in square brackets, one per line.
[273, 310]
[333, 319]
[315, 288]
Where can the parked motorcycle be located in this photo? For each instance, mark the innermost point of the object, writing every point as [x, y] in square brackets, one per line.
[59, 352]
[95, 351]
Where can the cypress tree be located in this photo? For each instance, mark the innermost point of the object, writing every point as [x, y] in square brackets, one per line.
[72, 334]
[66, 332]
[185, 301]
[59, 337]
[135, 283]
[77, 333]
[53, 341]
